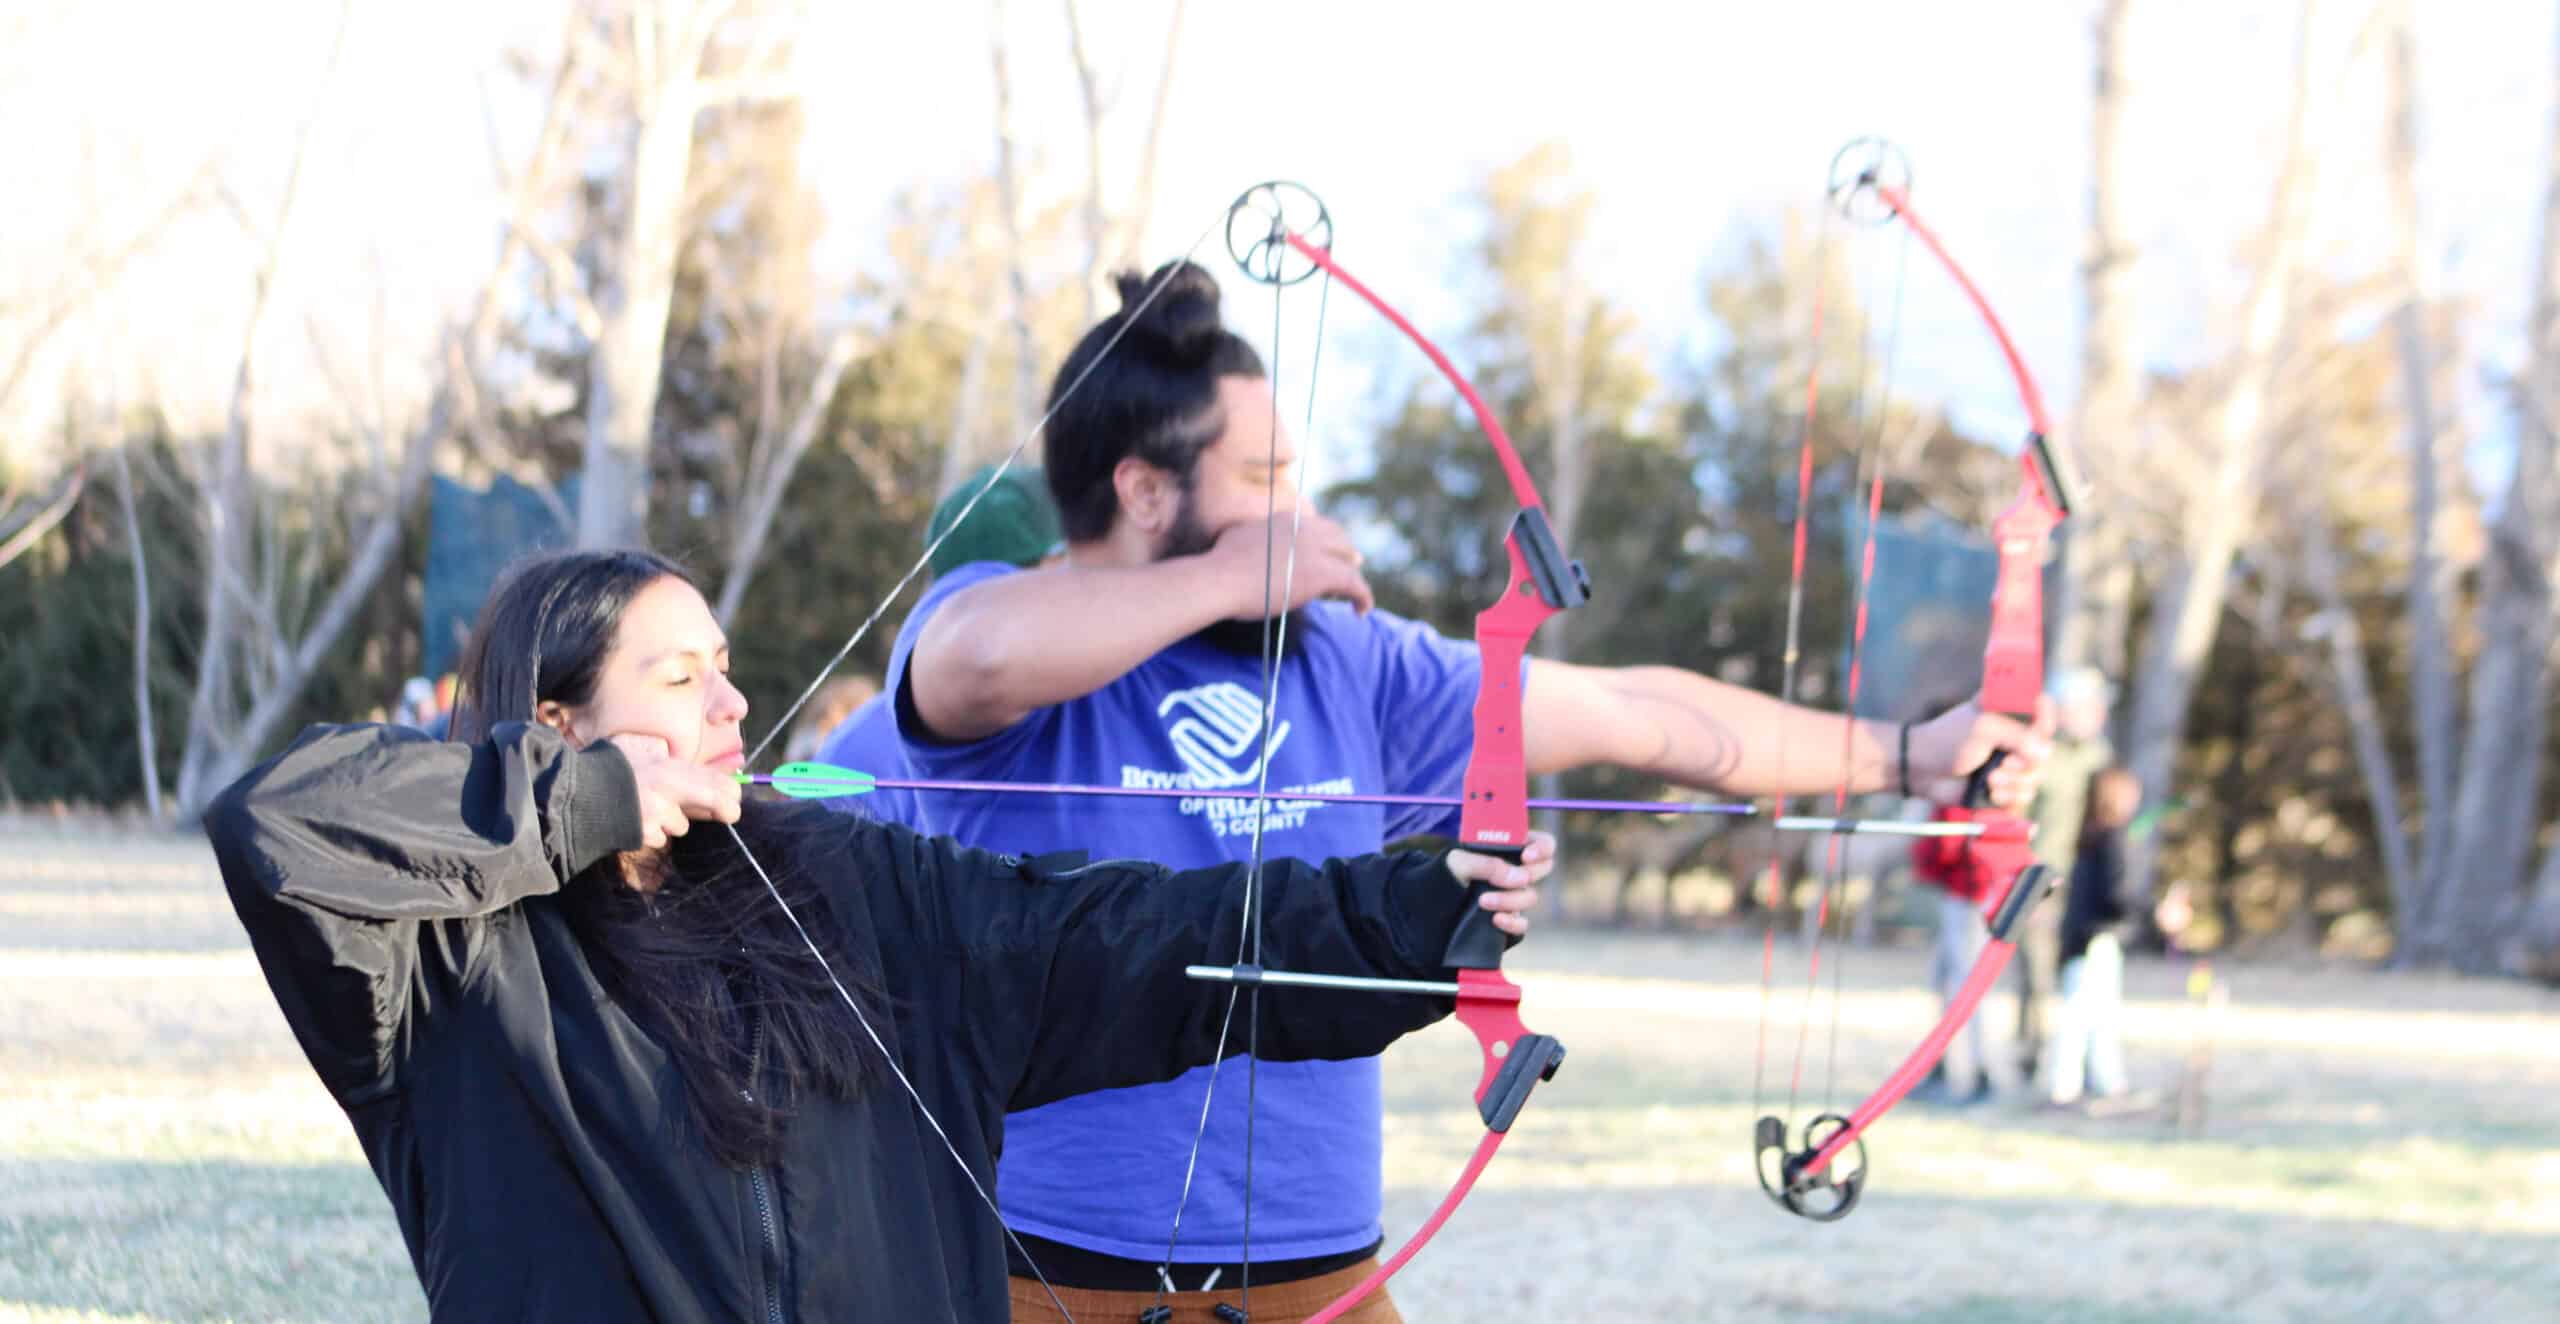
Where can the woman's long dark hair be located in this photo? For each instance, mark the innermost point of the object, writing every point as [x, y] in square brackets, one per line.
[1149, 390]
[708, 963]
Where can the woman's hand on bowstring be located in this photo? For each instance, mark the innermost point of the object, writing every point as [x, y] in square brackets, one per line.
[1515, 886]
[676, 793]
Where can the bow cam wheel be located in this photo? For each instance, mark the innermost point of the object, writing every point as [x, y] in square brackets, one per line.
[1259, 225]
[1859, 171]
[1826, 1195]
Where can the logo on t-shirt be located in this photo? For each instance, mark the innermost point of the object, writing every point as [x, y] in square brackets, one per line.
[1216, 733]
[1214, 729]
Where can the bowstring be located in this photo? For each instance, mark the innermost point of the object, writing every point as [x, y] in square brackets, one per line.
[1275, 634]
[1867, 421]
[1788, 660]
[1877, 459]
[986, 1197]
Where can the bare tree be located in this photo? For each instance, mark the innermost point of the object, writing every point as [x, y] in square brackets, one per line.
[223, 480]
[270, 621]
[1113, 242]
[2219, 491]
[669, 62]
[1132, 225]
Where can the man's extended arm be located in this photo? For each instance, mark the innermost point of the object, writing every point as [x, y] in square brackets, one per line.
[1695, 731]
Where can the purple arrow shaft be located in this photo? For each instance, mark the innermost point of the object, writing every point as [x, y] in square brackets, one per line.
[1788, 823]
[1310, 797]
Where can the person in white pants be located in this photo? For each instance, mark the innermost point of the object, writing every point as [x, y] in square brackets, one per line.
[2084, 1057]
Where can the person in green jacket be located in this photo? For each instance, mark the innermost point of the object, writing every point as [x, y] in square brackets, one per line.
[2083, 700]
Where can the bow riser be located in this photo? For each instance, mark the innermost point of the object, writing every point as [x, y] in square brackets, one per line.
[1495, 816]
[2013, 657]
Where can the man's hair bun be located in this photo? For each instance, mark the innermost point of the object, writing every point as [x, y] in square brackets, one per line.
[1181, 321]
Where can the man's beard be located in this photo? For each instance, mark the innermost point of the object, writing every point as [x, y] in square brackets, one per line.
[1239, 637]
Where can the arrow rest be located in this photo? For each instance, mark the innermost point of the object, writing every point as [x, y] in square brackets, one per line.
[1260, 222]
[1825, 1196]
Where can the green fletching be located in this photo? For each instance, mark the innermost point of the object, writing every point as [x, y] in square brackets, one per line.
[819, 781]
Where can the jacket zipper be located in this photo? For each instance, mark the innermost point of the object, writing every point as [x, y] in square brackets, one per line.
[761, 1185]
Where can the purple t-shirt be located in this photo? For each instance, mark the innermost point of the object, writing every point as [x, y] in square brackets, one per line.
[1375, 703]
[867, 741]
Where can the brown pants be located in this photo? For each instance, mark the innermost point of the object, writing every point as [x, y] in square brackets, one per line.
[1277, 1303]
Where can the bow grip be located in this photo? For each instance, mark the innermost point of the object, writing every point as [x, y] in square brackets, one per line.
[1477, 945]
[1977, 783]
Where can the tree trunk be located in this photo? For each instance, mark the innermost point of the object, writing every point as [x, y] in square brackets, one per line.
[2337, 625]
[2096, 587]
[961, 446]
[1097, 224]
[2535, 948]
[1026, 365]
[2493, 815]
[146, 738]
[630, 351]
[1142, 194]
[2430, 662]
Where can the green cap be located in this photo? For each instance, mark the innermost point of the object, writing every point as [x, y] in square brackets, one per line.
[1014, 522]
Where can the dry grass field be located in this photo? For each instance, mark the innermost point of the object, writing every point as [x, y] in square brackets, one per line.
[2376, 1148]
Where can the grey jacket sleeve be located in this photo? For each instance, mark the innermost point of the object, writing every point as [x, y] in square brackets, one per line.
[367, 863]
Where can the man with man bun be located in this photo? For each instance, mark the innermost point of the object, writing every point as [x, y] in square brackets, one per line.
[1135, 662]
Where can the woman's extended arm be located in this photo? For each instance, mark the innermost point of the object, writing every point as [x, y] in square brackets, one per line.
[1074, 978]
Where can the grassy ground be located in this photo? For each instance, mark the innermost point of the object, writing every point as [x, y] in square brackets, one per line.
[2376, 1148]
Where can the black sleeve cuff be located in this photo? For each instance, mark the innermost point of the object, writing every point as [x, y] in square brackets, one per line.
[1431, 903]
[603, 813]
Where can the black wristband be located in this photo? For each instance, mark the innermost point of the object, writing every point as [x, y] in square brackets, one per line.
[1903, 763]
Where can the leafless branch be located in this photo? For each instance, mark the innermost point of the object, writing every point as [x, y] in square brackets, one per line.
[1009, 203]
[36, 523]
[561, 280]
[1097, 224]
[769, 479]
[96, 274]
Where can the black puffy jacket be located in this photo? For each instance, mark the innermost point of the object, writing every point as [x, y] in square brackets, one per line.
[402, 896]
